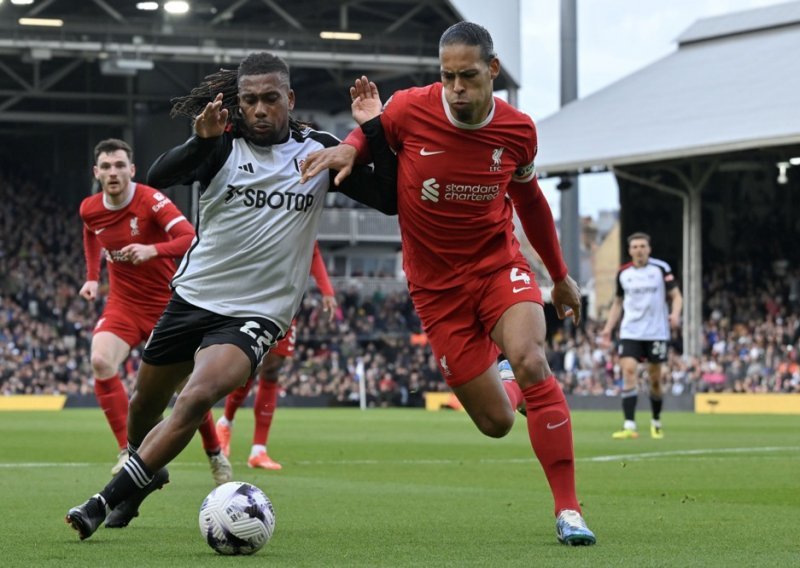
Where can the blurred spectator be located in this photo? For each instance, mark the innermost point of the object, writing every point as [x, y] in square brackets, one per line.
[751, 331]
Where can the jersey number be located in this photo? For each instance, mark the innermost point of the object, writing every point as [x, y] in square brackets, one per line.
[264, 339]
[517, 276]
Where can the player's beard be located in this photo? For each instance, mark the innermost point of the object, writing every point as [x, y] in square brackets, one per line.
[268, 138]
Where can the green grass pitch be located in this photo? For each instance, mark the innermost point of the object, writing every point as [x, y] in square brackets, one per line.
[394, 487]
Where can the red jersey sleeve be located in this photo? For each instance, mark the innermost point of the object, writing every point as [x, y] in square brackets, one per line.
[358, 140]
[537, 222]
[174, 224]
[91, 251]
[320, 273]
[182, 234]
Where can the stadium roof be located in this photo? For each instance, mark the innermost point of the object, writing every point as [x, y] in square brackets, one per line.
[109, 55]
[732, 85]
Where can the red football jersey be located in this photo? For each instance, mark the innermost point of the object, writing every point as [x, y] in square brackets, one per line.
[455, 219]
[146, 218]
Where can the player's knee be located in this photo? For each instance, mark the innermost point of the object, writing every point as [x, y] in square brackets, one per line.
[531, 365]
[138, 405]
[196, 400]
[496, 425]
[102, 366]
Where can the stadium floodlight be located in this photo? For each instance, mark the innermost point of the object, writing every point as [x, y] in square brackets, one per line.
[22, 2]
[125, 67]
[137, 64]
[46, 22]
[783, 167]
[176, 6]
[350, 36]
[147, 6]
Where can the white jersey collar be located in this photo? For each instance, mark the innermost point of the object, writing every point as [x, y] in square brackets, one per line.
[124, 204]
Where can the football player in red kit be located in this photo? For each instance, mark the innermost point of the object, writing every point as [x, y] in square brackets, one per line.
[465, 162]
[141, 232]
[267, 394]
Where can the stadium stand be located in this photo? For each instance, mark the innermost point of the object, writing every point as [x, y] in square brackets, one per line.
[751, 328]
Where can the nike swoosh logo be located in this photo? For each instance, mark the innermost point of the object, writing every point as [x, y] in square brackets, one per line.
[518, 290]
[424, 152]
[554, 426]
[98, 231]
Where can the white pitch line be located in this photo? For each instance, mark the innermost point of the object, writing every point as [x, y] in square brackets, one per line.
[697, 452]
[611, 458]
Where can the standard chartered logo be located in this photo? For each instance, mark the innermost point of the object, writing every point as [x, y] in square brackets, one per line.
[430, 190]
[458, 191]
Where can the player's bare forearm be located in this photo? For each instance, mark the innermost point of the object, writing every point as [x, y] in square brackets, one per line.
[613, 318]
[676, 308]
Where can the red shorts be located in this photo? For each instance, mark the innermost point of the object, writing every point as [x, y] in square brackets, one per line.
[132, 325]
[458, 320]
[285, 347]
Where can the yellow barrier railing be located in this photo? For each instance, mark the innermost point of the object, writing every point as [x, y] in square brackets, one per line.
[33, 402]
[439, 400]
[745, 403]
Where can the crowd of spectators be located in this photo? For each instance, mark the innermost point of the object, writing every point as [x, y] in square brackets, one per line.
[751, 329]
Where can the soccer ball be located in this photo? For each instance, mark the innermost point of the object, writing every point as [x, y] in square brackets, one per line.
[237, 518]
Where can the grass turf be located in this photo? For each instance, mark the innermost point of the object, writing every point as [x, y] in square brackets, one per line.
[394, 487]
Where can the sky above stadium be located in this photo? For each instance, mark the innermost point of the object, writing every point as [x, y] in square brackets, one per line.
[615, 38]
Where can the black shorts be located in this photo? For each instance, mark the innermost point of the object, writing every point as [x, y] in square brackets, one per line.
[650, 351]
[184, 328]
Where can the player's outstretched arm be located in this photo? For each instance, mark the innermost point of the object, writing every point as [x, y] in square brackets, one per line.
[340, 158]
[200, 157]
[366, 105]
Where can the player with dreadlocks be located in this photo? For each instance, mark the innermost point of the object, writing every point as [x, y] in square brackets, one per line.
[242, 280]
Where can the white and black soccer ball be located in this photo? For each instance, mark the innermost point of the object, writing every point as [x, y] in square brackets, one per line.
[237, 518]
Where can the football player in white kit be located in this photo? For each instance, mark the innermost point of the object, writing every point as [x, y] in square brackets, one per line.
[649, 303]
[241, 282]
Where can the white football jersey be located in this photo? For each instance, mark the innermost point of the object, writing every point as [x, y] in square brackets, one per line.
[644, 300]
[255, 233]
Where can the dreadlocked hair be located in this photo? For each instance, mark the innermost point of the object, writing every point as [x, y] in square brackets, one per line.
[223, 81]
[226, 81]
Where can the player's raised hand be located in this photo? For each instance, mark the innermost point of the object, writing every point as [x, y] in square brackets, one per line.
[211, 122]
[366, 100]
[567, 293]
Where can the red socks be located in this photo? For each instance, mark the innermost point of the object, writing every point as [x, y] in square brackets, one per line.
[208, 431]
[234, 400]
[264, 409]
[514, 393]
[550, 431]
[113, 399]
